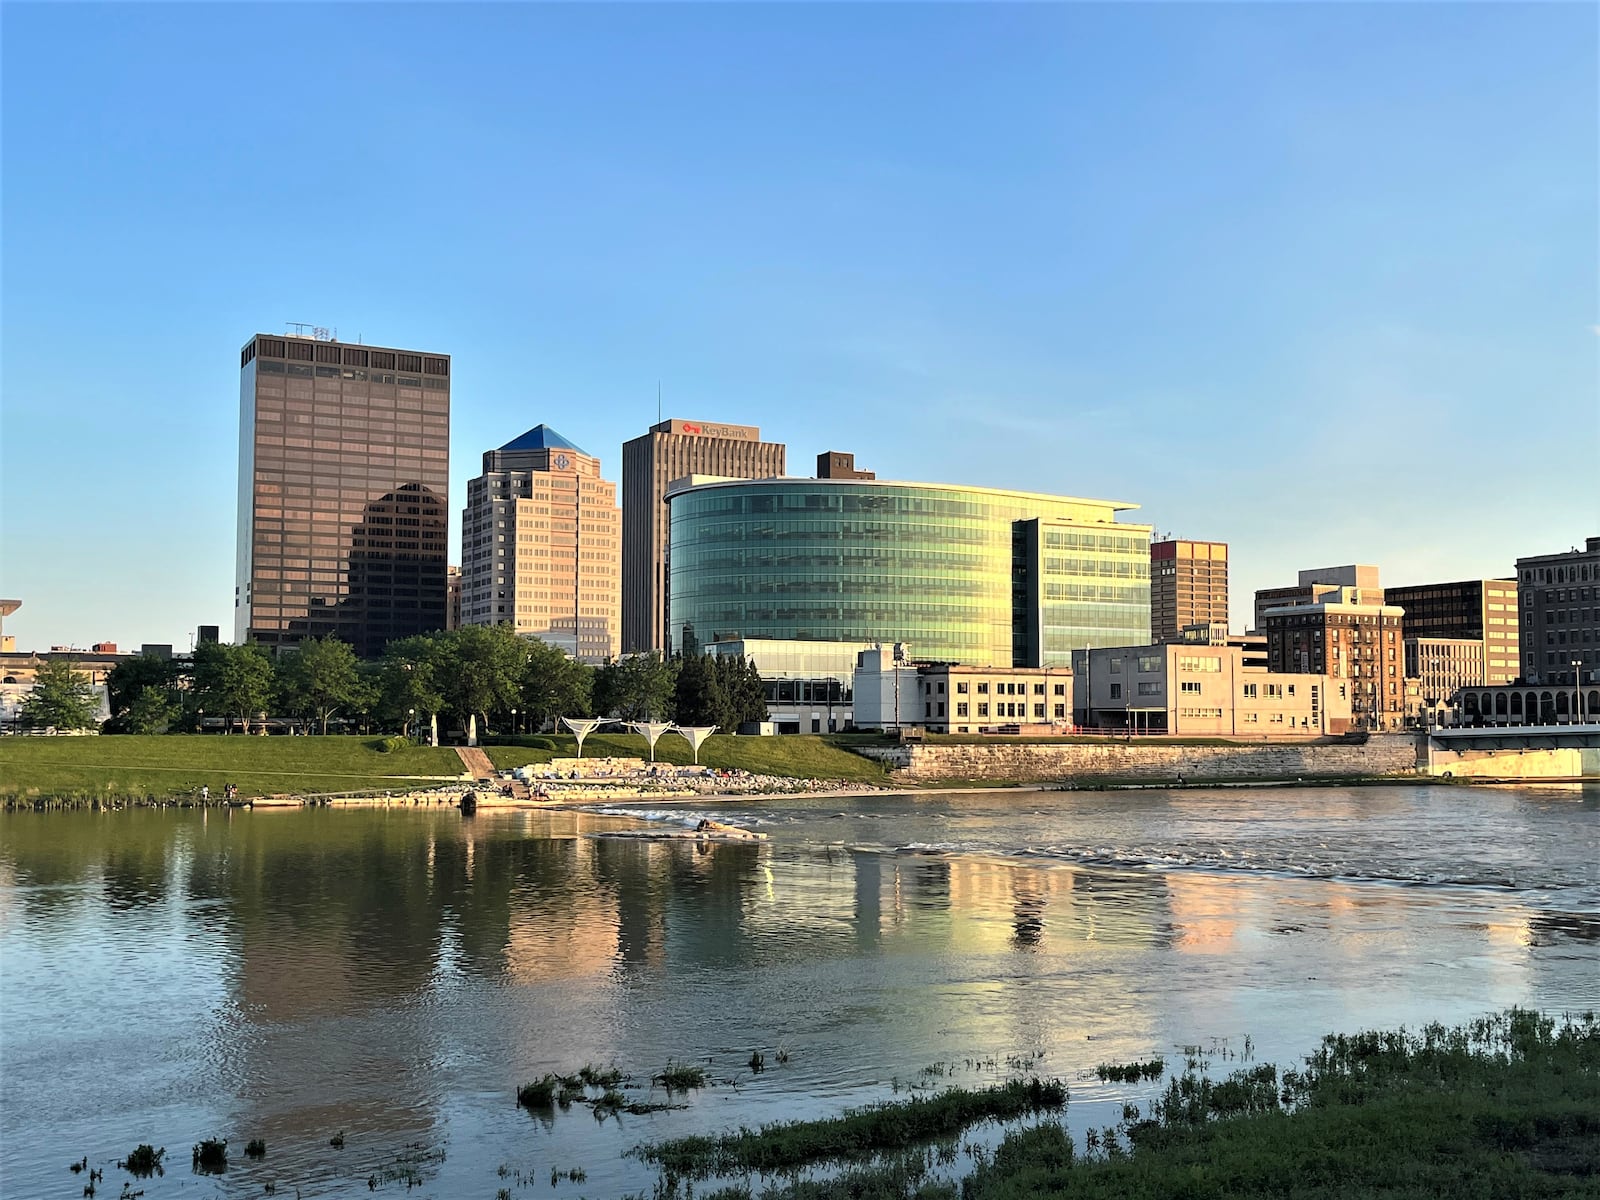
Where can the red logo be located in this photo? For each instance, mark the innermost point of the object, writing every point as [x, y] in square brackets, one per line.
[688, 428]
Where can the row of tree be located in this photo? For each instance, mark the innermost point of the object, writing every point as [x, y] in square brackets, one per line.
[482, 673]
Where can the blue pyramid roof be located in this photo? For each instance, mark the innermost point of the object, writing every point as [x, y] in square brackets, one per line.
[541, 437]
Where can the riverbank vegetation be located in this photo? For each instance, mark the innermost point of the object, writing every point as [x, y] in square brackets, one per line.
[1508, 1105]
[482, 675]
[859, 1133]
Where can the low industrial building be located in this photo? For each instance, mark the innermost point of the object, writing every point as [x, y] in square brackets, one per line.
[893, 691]
[1199, 688]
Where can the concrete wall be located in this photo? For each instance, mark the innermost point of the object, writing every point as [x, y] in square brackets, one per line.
[1557, 762]
[1383, 754]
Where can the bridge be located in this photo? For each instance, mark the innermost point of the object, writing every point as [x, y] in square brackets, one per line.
[1548, 752]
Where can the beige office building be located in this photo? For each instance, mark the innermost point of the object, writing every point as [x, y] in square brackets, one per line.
[1481, 610]
[1203, 688]
[541, 546]
[344, 479]
[1441, 667]
[1188, 586]
[671, 450]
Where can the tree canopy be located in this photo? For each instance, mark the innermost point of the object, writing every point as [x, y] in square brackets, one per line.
[321, 678]
[62, 698]
[234, 680]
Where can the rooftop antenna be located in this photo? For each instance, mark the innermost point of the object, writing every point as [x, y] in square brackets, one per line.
[658, 402]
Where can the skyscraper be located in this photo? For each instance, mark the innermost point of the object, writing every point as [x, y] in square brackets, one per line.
[344, 479]
[670, 451]
[1188, 586]
[541, 546]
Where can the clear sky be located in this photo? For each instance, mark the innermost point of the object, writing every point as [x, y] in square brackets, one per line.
[1319, 280]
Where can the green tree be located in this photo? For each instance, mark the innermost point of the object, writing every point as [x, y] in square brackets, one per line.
[695, 694]
[234, 680]
[482, 669]
[554, 685]
[62, 697]
[636, 687]
[321, 678]
[129, 678]
[151, 711]
[750, 699]
[408, 678]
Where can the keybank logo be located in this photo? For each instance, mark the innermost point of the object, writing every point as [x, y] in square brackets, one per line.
[734, 432]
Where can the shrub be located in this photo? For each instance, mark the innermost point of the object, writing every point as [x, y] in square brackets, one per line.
[211, 1156]
[541, 1094]
[143, 1160]
[255, 1148]
[392, 745]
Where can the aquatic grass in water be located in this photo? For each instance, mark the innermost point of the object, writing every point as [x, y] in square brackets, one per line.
[859, 1133]
[1507, 1105]
[680, 1077]
[539, 1094]
[1131, 1072]
[593, 1076]
[142, 1160]
[211, 1156]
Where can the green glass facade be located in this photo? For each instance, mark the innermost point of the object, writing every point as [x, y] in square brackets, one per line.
[967, 575]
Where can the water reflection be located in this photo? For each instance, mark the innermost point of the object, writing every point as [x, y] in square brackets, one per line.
[394, 974]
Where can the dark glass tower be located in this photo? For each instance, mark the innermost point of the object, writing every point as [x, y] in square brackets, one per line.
[344, 476]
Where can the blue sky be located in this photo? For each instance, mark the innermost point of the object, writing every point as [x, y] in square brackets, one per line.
[1318, 280]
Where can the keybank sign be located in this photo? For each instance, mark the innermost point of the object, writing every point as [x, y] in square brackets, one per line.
[740, 433]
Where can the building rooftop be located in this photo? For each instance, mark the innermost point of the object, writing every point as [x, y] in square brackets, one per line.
[542, 437]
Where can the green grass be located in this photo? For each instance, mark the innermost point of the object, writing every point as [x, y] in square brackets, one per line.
[1505, 1106]
[857, 1134]
[175, 765]
[795, 756]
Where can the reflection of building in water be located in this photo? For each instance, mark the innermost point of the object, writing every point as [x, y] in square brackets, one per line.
[572, 934]
[1205, 911]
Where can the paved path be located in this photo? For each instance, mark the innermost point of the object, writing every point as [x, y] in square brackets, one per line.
[476, 761]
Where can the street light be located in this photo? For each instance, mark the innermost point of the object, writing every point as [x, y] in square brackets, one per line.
[513, 722]
[200, 720]
[1577, 690]
[411, 719]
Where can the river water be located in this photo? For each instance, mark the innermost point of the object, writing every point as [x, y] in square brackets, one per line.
[394, 974]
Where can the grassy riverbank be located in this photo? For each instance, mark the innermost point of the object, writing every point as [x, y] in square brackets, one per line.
[1505, 1106]
[794, 756]
[175, 765]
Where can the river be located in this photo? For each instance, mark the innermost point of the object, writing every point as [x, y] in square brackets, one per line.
[394, 974]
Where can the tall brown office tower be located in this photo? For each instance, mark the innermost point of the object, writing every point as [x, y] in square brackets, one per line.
[670, 451]
[344, 479]
[1188, 586]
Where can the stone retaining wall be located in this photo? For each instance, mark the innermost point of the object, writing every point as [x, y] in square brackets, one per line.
[1383, 754]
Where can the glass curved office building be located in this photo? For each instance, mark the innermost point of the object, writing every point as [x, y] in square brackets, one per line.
[968, 575]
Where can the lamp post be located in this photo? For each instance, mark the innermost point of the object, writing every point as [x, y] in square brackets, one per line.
[1577, 691]
[411, 719]
[513, 722]
[200, 720]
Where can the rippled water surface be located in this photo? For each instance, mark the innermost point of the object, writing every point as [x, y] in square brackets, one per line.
[394, 974]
